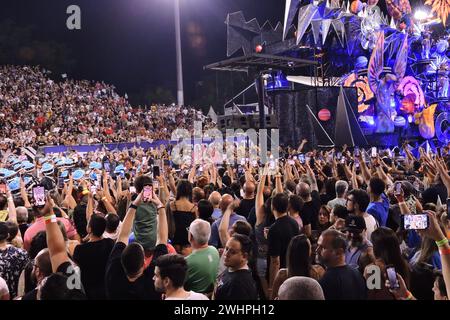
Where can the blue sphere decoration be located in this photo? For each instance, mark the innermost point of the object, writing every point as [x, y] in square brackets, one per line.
[399, 121]
[361, 62]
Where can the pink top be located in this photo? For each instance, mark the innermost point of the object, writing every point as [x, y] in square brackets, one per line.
[39, 225]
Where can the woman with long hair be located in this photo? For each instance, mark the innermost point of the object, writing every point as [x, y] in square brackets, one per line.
[427, 254]
[181, 213]
[386, 249]
[324, 218]
[298, 263]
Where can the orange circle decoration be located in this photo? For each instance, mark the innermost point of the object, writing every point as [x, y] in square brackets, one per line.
[356, 6]
[364, 92]
[324, 115]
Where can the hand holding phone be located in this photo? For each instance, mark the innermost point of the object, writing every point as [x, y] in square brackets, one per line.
[39, 196]
[392, 277]
[156, 172]
[374, 152]
[60, 182]
[398, 189]
[301, 158]
[415, 221]
[148, 193]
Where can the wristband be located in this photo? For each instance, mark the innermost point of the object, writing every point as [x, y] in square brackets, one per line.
[133, 206]
[161, 207]
[442, 242]
[104, 199]
[445, 252]
[50, 219]
[85, 192]
[409, 296]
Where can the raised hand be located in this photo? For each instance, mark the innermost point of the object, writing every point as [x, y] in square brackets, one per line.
[400, 293]
[155, 200]
[234, 205]
[433, 231]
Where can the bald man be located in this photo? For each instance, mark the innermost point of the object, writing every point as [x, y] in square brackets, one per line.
[22, 219]
[215, 198]
[300, 288]
[311, 205]
[223, 205]
[248, 202]
[42, 268]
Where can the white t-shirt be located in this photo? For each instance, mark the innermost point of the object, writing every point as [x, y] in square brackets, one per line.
[192, 296]
[371, 224]
[3, 288]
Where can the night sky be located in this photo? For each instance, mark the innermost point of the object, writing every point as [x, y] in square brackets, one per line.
[131, 43]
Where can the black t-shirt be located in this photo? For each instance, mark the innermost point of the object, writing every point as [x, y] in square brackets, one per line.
[343, 283]
[252, 217]
[237, 285]
[324, 198]
[310, 211]
[31, 296]
[72, 272]
[245, 207]
[279, 236]
[117, 285]
[92, 258]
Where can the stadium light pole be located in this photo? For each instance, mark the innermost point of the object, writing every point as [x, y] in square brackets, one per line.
[180, 91]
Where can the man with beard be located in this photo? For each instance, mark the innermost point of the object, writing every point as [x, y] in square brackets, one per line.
[358, 245]
[42, 268]
[170, 274]
[340, 281]
[357, 202]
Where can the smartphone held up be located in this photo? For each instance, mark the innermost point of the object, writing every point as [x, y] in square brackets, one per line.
[148, 193]
[392, 276]
[39, 196]
[415, 222]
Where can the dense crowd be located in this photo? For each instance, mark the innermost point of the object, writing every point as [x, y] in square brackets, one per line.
[313, 224]
[36, 111]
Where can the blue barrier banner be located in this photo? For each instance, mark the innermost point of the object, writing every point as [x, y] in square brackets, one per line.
[122, 145]
[109, 146]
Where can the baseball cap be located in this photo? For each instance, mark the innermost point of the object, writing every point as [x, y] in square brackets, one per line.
[95, 165]
[354, 223]
[93, 176]
[78, 174]
[47, 169]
